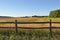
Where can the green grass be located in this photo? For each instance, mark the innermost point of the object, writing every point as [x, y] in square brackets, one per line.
[30, 35]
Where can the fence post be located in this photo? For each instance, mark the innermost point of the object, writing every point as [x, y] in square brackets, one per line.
[51, 28]
[16, 27]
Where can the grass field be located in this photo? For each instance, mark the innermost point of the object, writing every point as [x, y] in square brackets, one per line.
[29, 34]
[31, 19]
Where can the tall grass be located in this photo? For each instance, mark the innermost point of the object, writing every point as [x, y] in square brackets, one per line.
[30, 35]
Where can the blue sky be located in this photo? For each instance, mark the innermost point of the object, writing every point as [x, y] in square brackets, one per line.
[27, 7]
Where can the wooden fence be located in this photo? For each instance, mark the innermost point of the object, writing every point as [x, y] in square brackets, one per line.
[16, 25]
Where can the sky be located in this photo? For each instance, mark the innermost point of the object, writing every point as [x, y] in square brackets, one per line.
[18, 8]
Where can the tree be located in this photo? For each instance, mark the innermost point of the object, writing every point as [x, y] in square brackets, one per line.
[55, 13]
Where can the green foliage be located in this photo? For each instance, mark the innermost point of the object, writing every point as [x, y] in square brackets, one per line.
[55, 13]
[30, 35]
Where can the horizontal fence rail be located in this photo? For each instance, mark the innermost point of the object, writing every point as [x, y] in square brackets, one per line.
[27, 22]
[33, 27]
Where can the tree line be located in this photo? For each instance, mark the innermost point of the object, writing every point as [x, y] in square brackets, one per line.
[54, 13]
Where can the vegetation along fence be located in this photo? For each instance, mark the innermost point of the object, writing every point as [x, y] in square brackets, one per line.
[16, 26]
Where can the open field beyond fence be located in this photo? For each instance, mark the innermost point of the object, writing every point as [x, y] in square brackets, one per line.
[30, 29]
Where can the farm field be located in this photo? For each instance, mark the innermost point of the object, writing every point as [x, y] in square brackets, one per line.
[31, 19]
[29, 34]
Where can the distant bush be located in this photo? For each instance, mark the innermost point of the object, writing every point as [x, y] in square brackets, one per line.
[55, 13]
[39, 16]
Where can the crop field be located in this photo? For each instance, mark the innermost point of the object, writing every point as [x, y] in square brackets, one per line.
[29, 34]
[31, 19]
